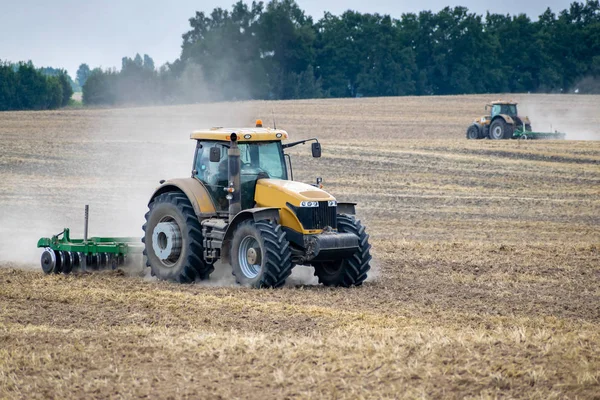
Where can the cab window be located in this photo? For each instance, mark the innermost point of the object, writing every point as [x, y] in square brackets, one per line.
[496, 109]
[213, 174]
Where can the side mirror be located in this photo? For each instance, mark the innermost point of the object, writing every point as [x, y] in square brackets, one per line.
[316, 150]
[215, 154]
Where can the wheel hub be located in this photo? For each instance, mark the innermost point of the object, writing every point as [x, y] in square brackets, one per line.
[253, 256]
[250, 257]
[166, 241]
[497, 132]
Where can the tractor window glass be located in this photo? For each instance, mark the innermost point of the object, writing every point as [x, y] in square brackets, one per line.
[496, 109]
[213, 174]
[509, 109]
[263, 157]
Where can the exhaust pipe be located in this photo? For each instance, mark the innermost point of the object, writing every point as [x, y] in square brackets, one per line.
[234, 190]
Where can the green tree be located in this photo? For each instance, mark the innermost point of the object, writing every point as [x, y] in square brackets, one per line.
[225, 46]
[66, 88]
[8, 86]
[100, 88]
[148, 62]
[83, 73]
[54, 92]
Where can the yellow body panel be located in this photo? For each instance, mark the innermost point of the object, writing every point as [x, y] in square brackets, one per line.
[243, 134]
[485, 120]
[277, 192]
[502, 102]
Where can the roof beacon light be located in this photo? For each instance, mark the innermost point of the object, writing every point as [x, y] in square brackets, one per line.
[259, 123]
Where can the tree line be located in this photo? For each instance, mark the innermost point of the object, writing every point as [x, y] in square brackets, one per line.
[24, 87]
[274, 50]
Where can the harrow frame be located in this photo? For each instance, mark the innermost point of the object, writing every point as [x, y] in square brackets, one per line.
[64, 254]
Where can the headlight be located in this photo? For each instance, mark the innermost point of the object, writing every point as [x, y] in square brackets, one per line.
[309, 204]
[332, 203]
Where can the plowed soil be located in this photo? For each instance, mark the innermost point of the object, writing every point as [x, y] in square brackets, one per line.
[485, 280]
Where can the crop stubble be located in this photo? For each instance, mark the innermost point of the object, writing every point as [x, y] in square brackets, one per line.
[487, 259]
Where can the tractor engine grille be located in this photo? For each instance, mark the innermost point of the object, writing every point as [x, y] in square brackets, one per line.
[317, 217]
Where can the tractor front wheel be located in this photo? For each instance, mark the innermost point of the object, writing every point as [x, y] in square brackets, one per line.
[173, 240]
[260, 255]
[473, 132]
[352, 270]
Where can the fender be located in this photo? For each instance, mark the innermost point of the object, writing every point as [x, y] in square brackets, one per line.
[255, 214]
[506, 118]
[346, 208]
[194, 190]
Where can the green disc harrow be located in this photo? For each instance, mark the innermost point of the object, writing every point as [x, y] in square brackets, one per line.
[523, 133]
[65, 255]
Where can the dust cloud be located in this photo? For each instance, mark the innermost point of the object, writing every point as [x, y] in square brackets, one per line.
[111, 159]
[575, 121]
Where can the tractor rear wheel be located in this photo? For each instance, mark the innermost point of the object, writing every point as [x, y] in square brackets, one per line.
[352, 270]
[260, 255]
[473, 132]
[173, 240]
[500, 130]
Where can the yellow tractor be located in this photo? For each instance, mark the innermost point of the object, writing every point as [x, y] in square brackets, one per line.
[242, 206]
[502, 122]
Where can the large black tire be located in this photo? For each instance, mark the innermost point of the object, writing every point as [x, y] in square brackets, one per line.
[350, 271]
[500, 130]
[473, 133]
[271, 261]
[187, 264]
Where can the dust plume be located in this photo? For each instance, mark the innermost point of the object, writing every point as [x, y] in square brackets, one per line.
[302, 275]
[572, 116]
[112, 160]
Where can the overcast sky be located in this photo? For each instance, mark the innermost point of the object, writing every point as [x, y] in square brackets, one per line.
[66, 33]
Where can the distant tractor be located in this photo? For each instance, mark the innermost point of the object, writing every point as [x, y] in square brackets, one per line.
[504, 122]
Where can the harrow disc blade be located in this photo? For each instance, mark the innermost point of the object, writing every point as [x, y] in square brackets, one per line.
[76, 258]
[82, 261]
[58, 258]
[67, 262]
[103, 260]
[113, 261]
[48, 260]
[92, 261]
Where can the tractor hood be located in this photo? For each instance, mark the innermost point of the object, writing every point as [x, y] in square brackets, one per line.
[278, 192]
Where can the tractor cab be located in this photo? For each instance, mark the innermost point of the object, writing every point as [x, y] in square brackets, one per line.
[502, 108]
[261, 157]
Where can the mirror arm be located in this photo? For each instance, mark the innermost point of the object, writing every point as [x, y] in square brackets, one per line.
[287, 145]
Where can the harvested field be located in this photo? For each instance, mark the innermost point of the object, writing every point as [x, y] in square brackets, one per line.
[486, 278]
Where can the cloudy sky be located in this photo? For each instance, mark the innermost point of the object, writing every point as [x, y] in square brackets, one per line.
[65, 33]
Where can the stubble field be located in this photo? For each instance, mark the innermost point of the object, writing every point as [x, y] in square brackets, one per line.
[485, 281]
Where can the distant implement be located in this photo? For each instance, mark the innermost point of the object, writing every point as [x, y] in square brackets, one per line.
[504, 122]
